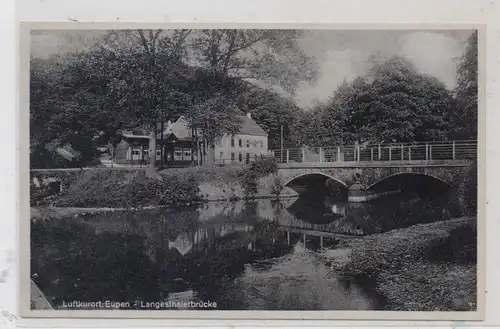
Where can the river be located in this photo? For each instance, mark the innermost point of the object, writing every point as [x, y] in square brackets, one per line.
[246, 255]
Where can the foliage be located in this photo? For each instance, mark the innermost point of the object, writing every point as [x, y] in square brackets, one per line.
[113, 188]
[249, 183]
[399, 264]
[465, 115]
[271, 57]
[264, 166]
[470, 195]
[277, 186]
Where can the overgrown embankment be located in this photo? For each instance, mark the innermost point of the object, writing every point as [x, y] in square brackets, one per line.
[127, 188]
[424, 267]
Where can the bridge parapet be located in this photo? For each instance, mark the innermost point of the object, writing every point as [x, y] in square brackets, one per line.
[409, 152]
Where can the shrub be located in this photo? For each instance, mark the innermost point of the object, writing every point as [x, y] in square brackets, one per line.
[264, 166]
[277, 186]
[112, 188]
[249, 183]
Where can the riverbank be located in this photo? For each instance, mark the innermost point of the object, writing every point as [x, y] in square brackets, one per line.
[427, 267]
[133, 189]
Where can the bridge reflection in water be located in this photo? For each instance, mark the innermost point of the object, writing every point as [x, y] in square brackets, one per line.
[244, 255]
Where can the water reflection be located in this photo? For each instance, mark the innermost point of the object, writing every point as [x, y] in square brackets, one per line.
[243, 255]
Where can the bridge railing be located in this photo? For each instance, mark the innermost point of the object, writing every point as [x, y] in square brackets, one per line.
[445, 150]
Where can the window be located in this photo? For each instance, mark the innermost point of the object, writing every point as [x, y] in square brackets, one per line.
[158, 152]
[232, 142]
[240, 157]
[145, 152]
[240, 142]
[248, 158]
[232, 156]
[248, 143]
[136, 152]
[187, 154]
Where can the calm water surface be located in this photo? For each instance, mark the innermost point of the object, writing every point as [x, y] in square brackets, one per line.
[241, 255]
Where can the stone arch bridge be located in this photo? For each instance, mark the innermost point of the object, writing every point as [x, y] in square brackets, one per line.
[372, 175]
[373, 166]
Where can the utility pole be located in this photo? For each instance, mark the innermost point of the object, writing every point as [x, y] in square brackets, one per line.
[281, 144]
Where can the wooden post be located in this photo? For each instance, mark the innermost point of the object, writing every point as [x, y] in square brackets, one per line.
[426, 151]
[359, 153]
[287, 155]
[305, 240]
[303, 155]
[402, 152]
[409, 153]
[453, 150]
[371, 154]
[338, 153]
[288, 237]
[430, 152]
[390, 153]
[379, 153]
[321, 241]
[320, 154]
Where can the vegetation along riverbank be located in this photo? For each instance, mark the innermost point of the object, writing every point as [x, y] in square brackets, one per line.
[426, 267]
[128, 189]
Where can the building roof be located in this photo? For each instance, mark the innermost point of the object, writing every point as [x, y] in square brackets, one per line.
[250, 127]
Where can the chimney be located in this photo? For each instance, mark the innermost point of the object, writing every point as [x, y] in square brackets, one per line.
[249, 115]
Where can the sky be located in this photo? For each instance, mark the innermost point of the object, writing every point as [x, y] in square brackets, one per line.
[340, 54]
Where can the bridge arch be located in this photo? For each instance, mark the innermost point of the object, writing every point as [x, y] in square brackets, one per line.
[409, 174]
[315, 173]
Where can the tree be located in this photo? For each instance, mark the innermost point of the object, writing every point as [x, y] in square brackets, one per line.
[148, 69]
[465, 116]
[395, 103]
[270, 57]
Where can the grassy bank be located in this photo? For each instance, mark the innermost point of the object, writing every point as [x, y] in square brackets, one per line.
[424, 267]
[128, 189]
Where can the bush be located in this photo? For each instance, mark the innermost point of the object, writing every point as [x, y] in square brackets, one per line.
[277, 186]
[264, 166]
[113, 188]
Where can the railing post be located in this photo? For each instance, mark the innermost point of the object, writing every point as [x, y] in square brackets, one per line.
[453, 150]
[371, 154]
[409, 153]
[379, 153]
[390, 153]
[426, 151]
[402, 152]
[303, 155]
[338, 153]
[320, 154]
[287, 155]
[359, 153]
[430, 152]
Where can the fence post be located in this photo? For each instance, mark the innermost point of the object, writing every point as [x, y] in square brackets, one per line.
[338, 153]
[426, 151]
[287, 155]
[320, 154]
[430, 152]
[390, 153]
[303, 155]
[359, 153]
[379, 153]
[453, 150]
[402, 152]
[409, 153]
[371, 154]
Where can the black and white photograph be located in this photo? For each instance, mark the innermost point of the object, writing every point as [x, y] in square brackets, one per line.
[253, 169]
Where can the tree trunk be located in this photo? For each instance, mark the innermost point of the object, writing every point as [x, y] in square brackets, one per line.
[151, 170]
